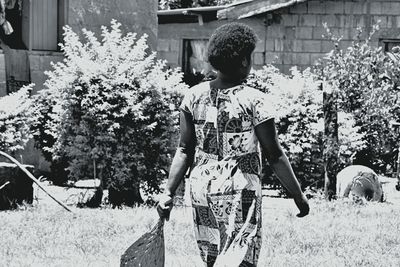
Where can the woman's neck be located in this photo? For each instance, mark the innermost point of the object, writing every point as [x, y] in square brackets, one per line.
[224, 81]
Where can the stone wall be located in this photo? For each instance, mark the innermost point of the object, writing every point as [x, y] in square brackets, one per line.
[294, 36]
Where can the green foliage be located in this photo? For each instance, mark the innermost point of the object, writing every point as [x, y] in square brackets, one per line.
[298, 102]
[110, 107]
[15, 120]
[299, 119]
[367, 82]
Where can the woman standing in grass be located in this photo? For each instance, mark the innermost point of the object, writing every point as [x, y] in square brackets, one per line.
[222, 124]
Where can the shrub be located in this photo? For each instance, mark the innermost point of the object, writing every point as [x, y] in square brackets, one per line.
[15, 120]
[110, 108]
[367, 83]
[299, 120]
[298, 102]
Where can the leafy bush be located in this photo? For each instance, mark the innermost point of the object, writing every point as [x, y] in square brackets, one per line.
[109, 108]
[299, 119]
[367, 81]
[15, 120]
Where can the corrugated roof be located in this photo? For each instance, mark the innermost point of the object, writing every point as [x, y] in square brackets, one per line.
[254, 8]
[199, 10]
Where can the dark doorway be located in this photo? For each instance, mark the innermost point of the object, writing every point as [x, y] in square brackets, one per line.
[14, 17]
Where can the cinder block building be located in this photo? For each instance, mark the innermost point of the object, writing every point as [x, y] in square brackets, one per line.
[291, 32]
[26, 53]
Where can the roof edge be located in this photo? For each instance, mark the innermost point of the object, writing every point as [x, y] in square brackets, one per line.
[254, 8]
[191, 10]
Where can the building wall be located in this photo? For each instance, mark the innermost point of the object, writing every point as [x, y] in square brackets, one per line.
[171, 36]
[39, 62]
[138, 16]
[294, 36]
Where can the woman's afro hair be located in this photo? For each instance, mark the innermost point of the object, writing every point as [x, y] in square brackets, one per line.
[229, 44]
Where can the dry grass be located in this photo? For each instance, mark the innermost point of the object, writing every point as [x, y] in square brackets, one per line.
[335, 234]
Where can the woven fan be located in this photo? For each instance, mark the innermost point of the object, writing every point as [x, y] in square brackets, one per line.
[148, 250]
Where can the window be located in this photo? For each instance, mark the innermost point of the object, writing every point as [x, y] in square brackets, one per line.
[36, 24]
[40, 24]
[194, 61]
[388, 44]
[11, 11]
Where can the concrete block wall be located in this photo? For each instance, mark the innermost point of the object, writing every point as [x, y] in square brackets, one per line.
[40, 61]
[298, 31]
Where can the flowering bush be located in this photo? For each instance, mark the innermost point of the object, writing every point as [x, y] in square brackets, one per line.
[15, 120]
[110, 108]
[299, 119]
[367, 81]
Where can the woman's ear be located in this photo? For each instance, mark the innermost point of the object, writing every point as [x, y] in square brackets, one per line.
[245, 62]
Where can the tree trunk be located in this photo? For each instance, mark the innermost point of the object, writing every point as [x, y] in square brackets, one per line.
[331, 140]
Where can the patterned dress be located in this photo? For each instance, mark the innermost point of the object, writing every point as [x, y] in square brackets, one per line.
[225, 185]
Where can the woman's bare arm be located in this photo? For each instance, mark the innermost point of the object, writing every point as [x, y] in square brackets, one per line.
[267, 136]
[184, 154]
[182, 160]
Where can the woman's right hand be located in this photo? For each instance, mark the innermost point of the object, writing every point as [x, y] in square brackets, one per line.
[164, 206]
[302, 204]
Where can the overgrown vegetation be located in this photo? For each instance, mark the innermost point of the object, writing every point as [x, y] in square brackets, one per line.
[110, 110]
[299, 119]
[367, 82]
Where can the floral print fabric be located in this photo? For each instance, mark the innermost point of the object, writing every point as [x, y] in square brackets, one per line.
[224, 181]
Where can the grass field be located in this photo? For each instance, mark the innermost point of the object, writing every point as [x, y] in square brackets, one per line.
[337, 233]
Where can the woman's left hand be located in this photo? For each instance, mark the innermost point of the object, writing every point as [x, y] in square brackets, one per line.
[164, 206]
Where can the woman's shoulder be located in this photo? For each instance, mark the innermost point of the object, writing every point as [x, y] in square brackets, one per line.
[201, 87]
[248, 92]
[198, 89]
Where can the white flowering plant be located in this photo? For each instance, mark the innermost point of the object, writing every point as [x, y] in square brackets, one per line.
[15, 120]
[110, 107]
[298, 101]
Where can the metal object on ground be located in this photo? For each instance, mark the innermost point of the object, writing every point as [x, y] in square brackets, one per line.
[359, 181]
[36, 181]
